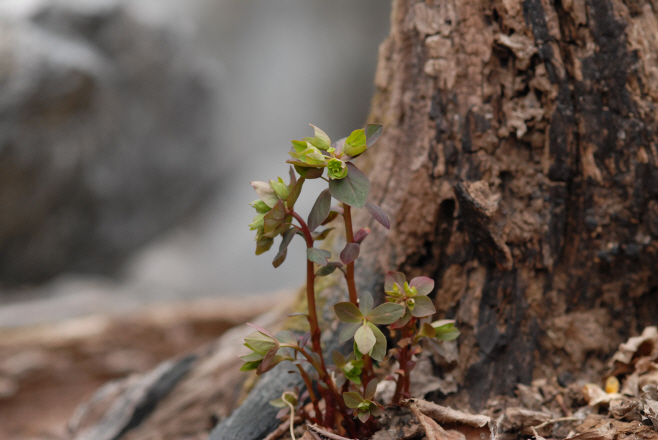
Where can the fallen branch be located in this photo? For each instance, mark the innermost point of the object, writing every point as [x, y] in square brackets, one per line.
[321, 434]
[558, 420]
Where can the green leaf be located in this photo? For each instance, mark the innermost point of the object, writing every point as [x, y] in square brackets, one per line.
[295, 192]
[363, 416]
[332, 215]
[283, 247]
[365, 339]
[377, 411]
[339, 359]
[286, 337]
[373, 132]
[280, 188]
[259, 342]
[249, 366]
[320, 210]
[357, 354]
[365, 303]
[299, 165]
[265, 193]
[348, 312]
[446, 331]
[348, 332]
[318, 256]
[260, 206]
[308, 173]
[263, 245]
[386, 314]
[355, 143]
[315, 159]
[350, 253]
[321, 140]
[353, 376]
[252, 357]
[353, 189]
[378, 351]
[321, 235]
[278, 403]
[393, 278]
[426, 330]
[370, 390]
[299, 146]
[424, 307]
[328, 269]
[258, 222]
[403, 321]
[275, 217]
[352, 399]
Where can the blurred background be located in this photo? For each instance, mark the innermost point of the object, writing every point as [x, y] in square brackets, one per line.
[129, 133]
[130, 130]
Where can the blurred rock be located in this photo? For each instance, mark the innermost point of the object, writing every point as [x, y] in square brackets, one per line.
[47, 370]
[106, 135]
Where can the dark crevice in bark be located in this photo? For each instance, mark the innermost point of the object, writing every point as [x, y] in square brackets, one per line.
[507, 345]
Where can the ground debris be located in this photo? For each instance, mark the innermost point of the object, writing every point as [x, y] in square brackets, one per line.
[626, 408]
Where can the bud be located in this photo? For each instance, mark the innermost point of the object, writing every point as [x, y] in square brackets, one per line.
[336, 169]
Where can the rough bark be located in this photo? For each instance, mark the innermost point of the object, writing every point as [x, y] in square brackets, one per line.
[519, 168]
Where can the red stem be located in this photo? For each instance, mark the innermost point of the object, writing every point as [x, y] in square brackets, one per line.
[402, 385]
[332, 397]
[349, 233]
[310, 291]
[311, 395]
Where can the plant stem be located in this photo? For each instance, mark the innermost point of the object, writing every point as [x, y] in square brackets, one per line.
[369, 373]
[402, 385]
[349, 233]
[310, 291]
[311, 394]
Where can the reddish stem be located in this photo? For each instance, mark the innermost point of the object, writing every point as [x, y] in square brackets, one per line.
[349, 233]
[310, 291]
[402, 385]
[311, 395]
[331, 396]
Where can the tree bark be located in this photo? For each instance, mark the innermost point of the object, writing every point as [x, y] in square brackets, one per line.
[519, 168]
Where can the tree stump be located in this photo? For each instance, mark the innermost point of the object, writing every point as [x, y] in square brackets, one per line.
[519, 168]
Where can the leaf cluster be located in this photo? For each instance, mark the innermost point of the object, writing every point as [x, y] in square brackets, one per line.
[349, 385]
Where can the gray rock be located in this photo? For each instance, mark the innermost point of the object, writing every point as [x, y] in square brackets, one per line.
[106, 135]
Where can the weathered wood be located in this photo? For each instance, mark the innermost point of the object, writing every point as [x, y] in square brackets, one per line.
[519, 166]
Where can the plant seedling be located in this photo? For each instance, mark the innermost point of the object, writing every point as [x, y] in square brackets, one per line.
[343, 397]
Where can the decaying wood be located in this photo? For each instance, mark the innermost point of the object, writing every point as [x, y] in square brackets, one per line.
[323, 434]
[519, 166]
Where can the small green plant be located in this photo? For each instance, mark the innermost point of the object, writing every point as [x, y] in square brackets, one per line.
[343, 392]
